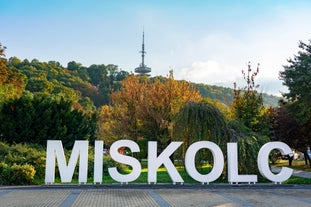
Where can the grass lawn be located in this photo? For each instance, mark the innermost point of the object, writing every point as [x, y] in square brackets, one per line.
[296, 164]
[163, 176]
[298, 180]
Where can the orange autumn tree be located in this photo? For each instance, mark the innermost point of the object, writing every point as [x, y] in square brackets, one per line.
[163, 100]
[126, 104]
[144, 108]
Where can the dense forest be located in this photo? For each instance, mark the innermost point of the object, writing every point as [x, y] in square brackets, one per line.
[90, 87]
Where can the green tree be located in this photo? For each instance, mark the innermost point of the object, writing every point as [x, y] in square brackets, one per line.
[35, 119]
[97, 73]
[247, 104]
[249, 144]
[250, 124]
[200, 121]
[72, 65]
[297, 77]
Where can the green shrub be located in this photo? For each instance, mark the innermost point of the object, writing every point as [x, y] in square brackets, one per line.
[22, 174]
[23, 155]
[16, 174]
[4, 149]
[3, 171]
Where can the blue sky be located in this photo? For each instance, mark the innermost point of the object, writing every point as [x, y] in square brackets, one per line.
[202, 41]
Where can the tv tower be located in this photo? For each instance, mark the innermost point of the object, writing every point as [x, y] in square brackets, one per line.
[143, 69]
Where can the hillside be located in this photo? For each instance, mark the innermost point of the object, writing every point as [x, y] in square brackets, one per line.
[89, 87]
[226, 95]
[86, 87]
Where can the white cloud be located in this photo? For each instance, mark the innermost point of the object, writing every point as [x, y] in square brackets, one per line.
[215, 73]
[205, 72]
[219, 55]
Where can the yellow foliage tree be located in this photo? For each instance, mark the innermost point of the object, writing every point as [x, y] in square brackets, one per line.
[143, 109]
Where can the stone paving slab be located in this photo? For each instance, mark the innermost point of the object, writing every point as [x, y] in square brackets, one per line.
[267, 198]
[174, 196]
[124, 198]
[33, 197]
[185, 198]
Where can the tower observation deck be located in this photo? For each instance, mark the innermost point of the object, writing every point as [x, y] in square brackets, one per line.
[143, 69]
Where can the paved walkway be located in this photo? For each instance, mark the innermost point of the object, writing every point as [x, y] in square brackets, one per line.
[163, 195]
[301, 173]
[222, 195]
[298, 173]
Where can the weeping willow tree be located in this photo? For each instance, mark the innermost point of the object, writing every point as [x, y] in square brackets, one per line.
[249, 144]
[200, 121]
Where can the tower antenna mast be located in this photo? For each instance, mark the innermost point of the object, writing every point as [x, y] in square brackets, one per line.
[143, 69]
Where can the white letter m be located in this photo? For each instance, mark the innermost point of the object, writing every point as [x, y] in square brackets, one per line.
[55, 150]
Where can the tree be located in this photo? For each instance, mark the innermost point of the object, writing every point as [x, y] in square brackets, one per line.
[12, 82]
[290, 131]
[249, 144]
[126, 103]
[198, 121]
[297, 77]
[3, 60]
[38, 118]
[144, 108]
[106, 125]
[287, 129]
[97, 73]
[250, 124]
[106, 79]
[247, 103]
[163, 99]
[72, 65]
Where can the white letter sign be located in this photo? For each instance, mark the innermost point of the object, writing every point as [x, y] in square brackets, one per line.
[115, 155]
[233, 171]
[218, 165]
[55, 150]
[98, 161]
[155, 162]
[263, 161]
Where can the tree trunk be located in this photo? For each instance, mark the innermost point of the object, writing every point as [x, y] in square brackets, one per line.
[307, 158]
[290, 160]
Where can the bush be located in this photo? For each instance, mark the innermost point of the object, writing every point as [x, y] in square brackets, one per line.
[22, 174]
[16, 174]
[4, 149]
[3, 170]
[22, 158]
